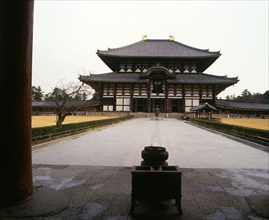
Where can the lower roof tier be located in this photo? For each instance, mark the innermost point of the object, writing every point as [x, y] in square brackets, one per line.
[188, 78]
[221, 82]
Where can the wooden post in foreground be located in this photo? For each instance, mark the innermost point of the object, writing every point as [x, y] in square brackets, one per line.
[16, 33]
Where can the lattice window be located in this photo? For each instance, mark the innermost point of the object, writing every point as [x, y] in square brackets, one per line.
[190, 103]
[122, 104]
[108, 108]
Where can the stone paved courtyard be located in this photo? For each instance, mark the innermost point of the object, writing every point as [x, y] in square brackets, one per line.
[121, 145]
[87, 176]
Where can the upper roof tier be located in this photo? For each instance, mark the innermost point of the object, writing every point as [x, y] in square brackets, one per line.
[158, 48]
[152, 50]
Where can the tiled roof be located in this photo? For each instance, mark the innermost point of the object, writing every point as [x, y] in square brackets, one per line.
[187, 78]
[204, 107]
[239, 105]
[52, 104]
[158, 48]
[203, 78]
[43, 104]
[113, 77]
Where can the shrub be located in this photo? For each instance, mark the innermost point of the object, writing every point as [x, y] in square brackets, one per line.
[251, 134]
[51, 132]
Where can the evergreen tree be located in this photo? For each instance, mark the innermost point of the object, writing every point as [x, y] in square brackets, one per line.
[37, 94]
[247, 97]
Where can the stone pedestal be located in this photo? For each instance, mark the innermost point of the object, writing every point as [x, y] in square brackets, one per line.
[156, 183]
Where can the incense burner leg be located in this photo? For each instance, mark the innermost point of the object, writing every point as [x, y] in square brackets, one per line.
[178, 203]
[132, 205]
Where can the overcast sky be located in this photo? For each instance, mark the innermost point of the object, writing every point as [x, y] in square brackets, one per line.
[67, 35]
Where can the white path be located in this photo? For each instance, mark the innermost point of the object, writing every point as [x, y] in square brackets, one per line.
[121, 145]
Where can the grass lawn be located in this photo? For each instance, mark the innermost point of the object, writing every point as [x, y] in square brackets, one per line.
[258, 123]
[43, 121]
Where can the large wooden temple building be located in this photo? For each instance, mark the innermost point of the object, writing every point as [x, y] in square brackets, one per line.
[157, 73]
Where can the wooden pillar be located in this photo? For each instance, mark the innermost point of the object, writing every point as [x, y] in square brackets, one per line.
[135, 105]
[166, 97]
[183, 99]
[131, 98]
[134, 99]
[214, 94]
[16, 28]
[148, 105]
[115, 96]
[148, 98]
[200, 94]
[101, 94]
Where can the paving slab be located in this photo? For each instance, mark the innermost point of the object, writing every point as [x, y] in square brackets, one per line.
[104, 193]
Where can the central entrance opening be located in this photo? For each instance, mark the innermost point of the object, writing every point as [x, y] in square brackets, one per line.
[165, 105]
[157, 102]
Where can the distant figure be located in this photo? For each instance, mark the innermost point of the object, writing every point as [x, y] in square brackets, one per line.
[157, 111]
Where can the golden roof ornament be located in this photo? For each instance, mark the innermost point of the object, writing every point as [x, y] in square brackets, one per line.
[171, 37]
[144, 37]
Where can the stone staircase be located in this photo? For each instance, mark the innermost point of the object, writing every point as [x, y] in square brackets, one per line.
[152, 116]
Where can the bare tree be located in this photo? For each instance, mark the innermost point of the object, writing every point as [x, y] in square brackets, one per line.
[69, 98]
